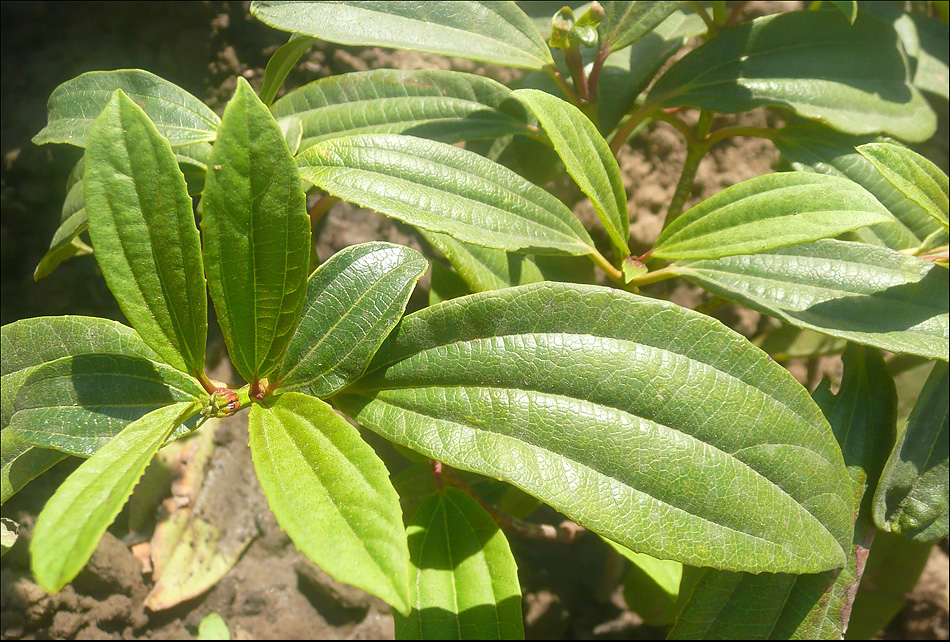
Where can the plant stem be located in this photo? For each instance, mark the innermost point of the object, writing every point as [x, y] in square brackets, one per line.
[605, 265]
[563, 84]
[575, 62]
[736, 12]
[623, 133]
[729, 132]
[701, 10]
[320, 208]
[694, 154]
[653, 277]
[679, 124]
[594, 77]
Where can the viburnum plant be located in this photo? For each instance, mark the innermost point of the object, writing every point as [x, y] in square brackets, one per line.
[746, 505]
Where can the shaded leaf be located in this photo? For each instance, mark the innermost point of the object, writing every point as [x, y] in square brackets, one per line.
[626, 22]
[281, 64]
[913, 176]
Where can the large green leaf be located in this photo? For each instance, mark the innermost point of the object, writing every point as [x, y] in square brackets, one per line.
[815, 148]
[255, 234]
[912, 497]
[353, 301]
[769, 212]
[496, 32]
[331, 493]
[463, 581]
[852, 77]
[638, 419]
[864, 293]
[450, 106]
[588, 160]
[441, 188]
[143, 228]
[68, 529]
[626, 22]
[74, 105]
[913, 176]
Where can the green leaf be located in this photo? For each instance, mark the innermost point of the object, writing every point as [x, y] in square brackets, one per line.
[78, 403]
[651, 587]
[69, 528]
[353, 301]
[862, 293]
[615, 409]
[143, 228]
[912, 497]
[626, 22]
[449, 106]
[788, 342]
[913, 176]
[463, 581]
[348, 521]
[74, 105]
[848, 8]
[281, 64]
[852, 77]
[495, 32]
[66, 242]
[213, 627]
[768, 212]
[441, 188]
[815, 148]
[22, 462]
[445, 284]
[256, 236]
[588, 160]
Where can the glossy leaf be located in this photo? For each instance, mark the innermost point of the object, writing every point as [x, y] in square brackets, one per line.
[255, 235]
[852, 77]
[69, 528]
[143, 228]
[863, 293]
[615, 409]
[495, 32]
[281, 64]
[449, 106]
[441, 188]
[353, 301]
[588, 160]
[912, 497]
[769, 212]
[348, 521]
[626, 22]
[913, 176]
[74, 105]
[463, 580]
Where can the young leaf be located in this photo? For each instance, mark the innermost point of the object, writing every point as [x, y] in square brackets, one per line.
[617, 419]
[913, 175]
[912, 496]
[852, 77]
[588, 160]
[449, 106]
[353, 301]
[348, 520]
[768, 212]
[441, 188]
[143, 228]
[863, 293]
[495, 32]
[77, 515]
[74, 105]
[256, 236]
[281, 64]
[66, 242]
[626, 22]
[463, 581]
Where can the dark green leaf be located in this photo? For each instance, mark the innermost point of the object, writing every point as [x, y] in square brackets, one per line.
[626, 22]
[445, 283]
[848, 8]
[789, 342]
[864, 293]
[348, 520]
[143, 228]
[912, 175]
[353, 301]
[616, 410]
[496, 32]
[74, 105]
[66, 242]
[256, 236]
[463, 581]
[281, 64]
[22, 462]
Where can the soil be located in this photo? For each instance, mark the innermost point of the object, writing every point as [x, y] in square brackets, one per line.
[570, 591]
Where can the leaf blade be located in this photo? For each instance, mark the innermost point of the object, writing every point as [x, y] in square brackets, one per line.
[914, 176]
[626, 22]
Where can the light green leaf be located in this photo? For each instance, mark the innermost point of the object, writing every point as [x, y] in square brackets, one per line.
[69, 528]
[912, 497]
[913, 176]
[353, 301]
[281, 64]
[74, 105]
[588, 160]
[495, 32]
[863, 293]
[348, 521]
[9, 533]
[449, 106]
[255, 235]
[143, 228]
[463, 581]
[852, 77]
[768, 212]
[616, 410]
[441, 188]
[213, 627]
[626, 22]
